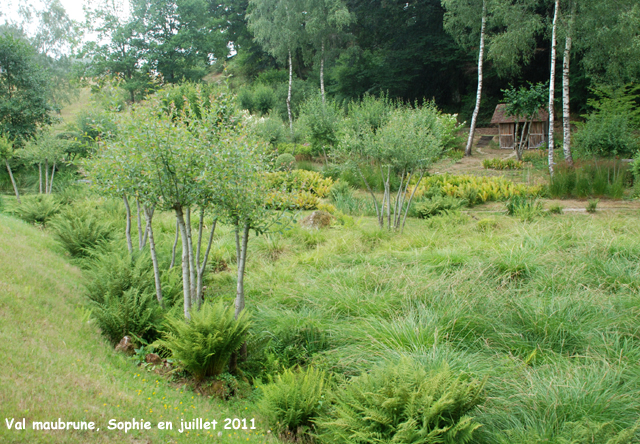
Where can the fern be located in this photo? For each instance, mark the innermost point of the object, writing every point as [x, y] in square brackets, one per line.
[37, 210]
[403, 403]
[130, 313]
[204, 345]
[79, 230]
[293, 400]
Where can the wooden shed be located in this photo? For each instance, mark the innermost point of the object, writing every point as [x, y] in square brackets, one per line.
[538, 134]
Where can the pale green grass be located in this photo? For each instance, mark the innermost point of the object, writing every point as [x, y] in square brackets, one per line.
[56, 365]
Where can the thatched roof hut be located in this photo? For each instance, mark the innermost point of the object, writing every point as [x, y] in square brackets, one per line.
[538, 133]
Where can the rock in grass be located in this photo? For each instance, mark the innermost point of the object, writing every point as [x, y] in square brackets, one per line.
[153, 359]
[317, 220]
[125, 346]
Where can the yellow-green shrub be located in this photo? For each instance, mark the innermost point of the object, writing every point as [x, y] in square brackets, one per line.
[297, 189]
[476, 189]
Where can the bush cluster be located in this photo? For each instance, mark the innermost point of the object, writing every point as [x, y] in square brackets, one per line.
[297, 189]
[502, 164]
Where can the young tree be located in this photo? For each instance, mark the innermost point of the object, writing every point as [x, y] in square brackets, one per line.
[278, 25]
[524, 103]
[47, 149]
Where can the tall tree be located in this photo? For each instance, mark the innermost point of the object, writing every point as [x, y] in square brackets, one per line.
[278, 25]
[325, 20]
[24, 107]
[566, 84]
[552, 84]
[459, 17]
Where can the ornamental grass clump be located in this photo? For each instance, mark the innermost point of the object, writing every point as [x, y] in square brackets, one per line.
[204, 345]
[403, 403]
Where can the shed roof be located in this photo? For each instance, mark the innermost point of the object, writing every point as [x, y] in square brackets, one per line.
[500, 115]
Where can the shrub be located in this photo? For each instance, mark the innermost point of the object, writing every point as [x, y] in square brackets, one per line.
[285, 162]
[592, 205]
[487, 224]
[204, 344]
[437, 205]
[297, 189]
[79, 230]
[293, 400]
[270, 129]
[502, 164]
[475, 189]
[321, 121]
[403, 403]
[132, 312]
[526, 208]
[38, 209]
[555, 209]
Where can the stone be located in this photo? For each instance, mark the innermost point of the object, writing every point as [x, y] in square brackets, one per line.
[125, 346]
[153, 359]
[317, 220]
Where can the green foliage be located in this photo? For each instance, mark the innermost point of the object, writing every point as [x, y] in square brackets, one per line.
[111, 273]
[204, 344]
[293, 400]
[24, 105]
[475, 189]
[502, 164]
[38, 209]
[590, 179]
[437, 205]
[322, 122]
[259, 99]
[402, 402]
[525, 208]
[592, 205]
[79, 229]
[285, 162]
[610, 129]
[555, 209]
[270, 129]
[526, 101]
[133, 313]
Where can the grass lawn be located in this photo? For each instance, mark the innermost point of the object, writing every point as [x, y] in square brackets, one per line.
[56, 365]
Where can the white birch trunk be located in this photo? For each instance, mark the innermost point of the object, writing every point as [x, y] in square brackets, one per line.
[186, 283]
[289, 95]
[148, 215]
[175, 245]
[53, 173]
[13, 181]
[127, 230]
[476, 110]
[566, 97]
[242, 260]
[40, 177]
[552, 83]
[322, 72]
[192, 265]
[140, 246]
[46, 176]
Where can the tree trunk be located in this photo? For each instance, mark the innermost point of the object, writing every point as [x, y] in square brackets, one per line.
[13, 181]
[148, 215]
[566, 96]
[322, 72]
[192, 265]
[373, 196]
[46, 176]
[203, 266]
[387, 188]
[404, 220]
[552, 83]
[476, 110]
[186, 283]
[127, 230]
[53, 173]
[289, 95]
[242, 260]
[40, 177]
[140, 246]
[175, 245]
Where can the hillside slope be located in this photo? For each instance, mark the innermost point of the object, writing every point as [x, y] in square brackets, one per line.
[56, 365]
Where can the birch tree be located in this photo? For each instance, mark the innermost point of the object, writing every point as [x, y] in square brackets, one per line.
[278, 26]
[566, 86]
[552, 84]
[47, 151]
[459, 19]
[325, 20]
